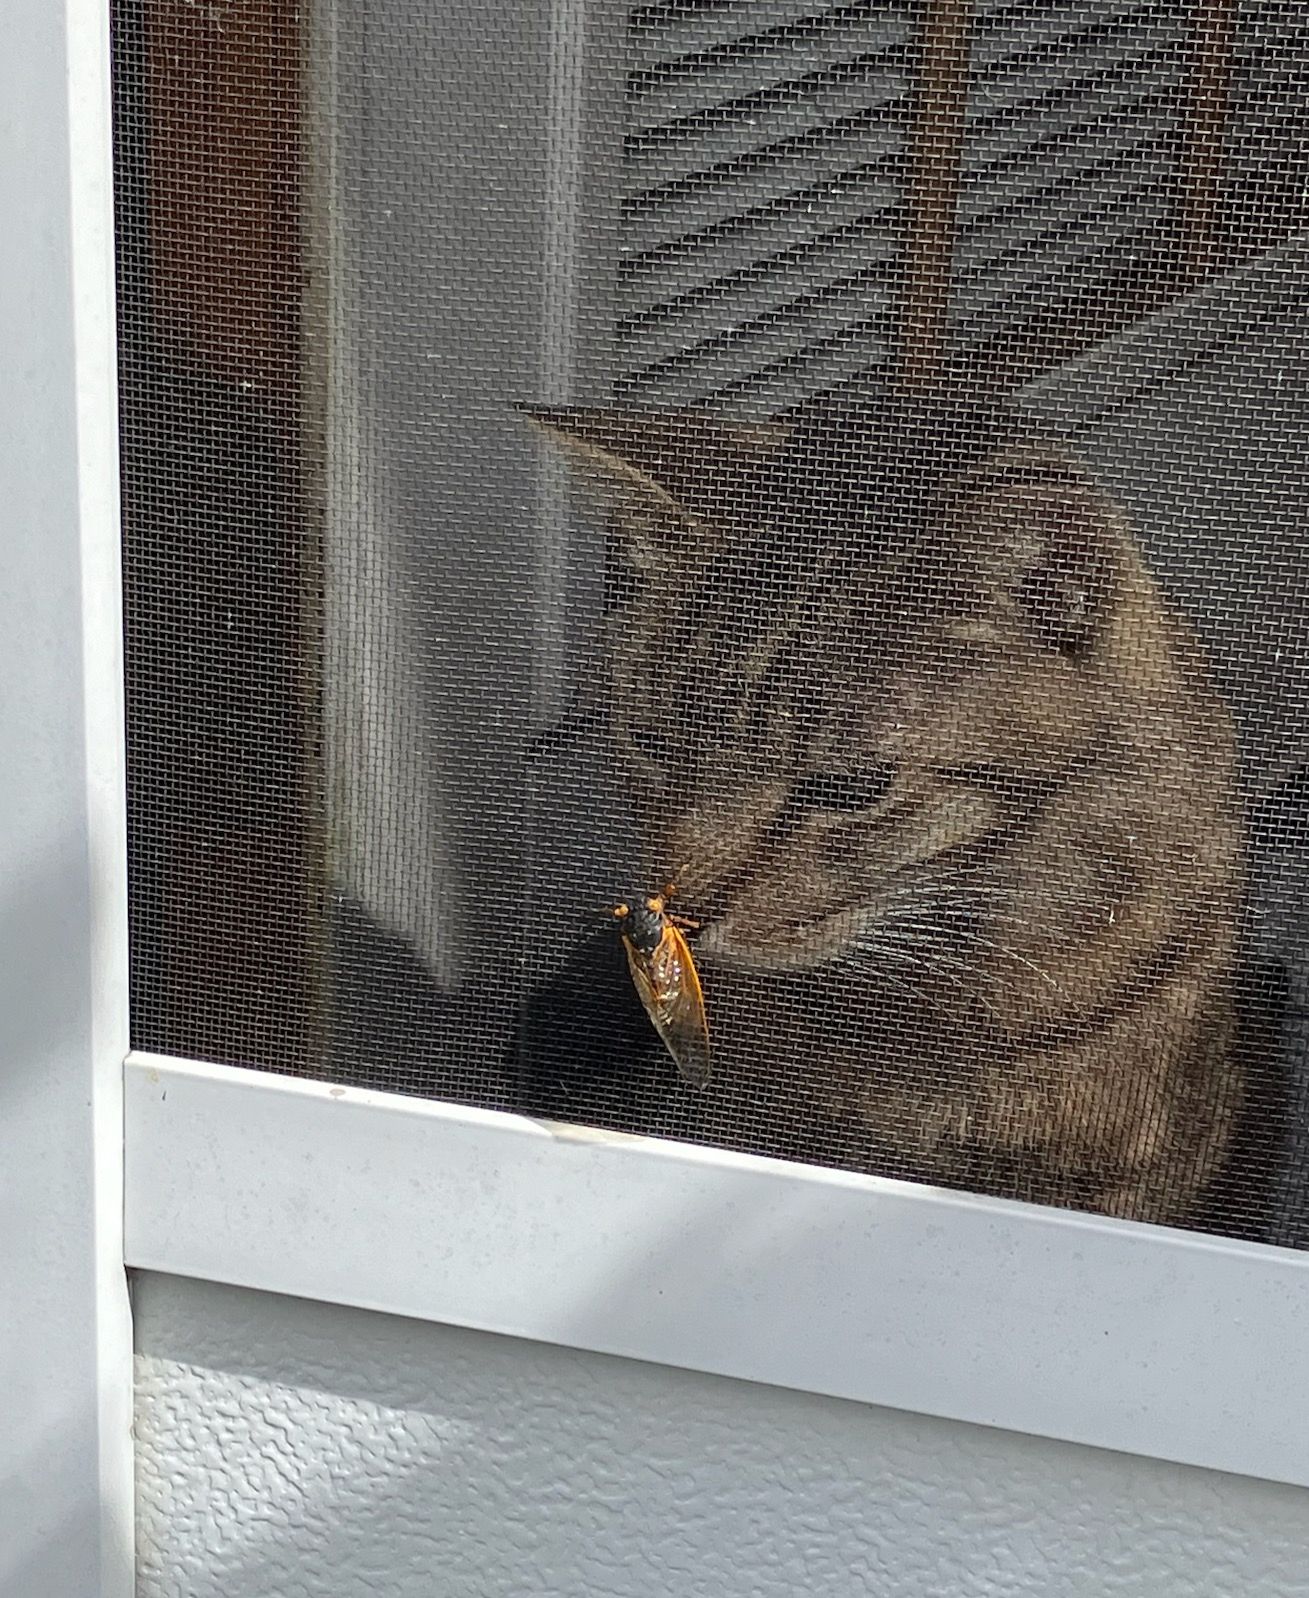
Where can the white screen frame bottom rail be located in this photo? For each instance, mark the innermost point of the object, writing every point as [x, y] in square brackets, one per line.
[1123, 1336]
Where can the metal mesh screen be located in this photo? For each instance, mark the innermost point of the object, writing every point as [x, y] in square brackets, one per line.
[844, 461]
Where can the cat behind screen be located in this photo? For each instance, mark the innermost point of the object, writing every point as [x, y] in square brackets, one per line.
[943, 777]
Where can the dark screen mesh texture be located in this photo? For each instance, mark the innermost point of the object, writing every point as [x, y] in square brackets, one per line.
[843, 461]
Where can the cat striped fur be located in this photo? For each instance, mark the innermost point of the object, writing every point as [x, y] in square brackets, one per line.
[944, 776]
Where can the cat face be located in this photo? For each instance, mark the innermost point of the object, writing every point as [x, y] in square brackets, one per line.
[852, 719]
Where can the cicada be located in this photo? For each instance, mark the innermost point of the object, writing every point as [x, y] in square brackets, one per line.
[667, 981]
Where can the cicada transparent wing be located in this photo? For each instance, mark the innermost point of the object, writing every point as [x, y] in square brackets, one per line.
[669, 987]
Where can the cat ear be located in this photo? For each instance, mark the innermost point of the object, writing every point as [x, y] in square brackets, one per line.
[1069, 592]
[679, 461]
[1057, 543]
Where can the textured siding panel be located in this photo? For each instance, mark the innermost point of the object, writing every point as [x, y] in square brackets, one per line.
[311, 1452]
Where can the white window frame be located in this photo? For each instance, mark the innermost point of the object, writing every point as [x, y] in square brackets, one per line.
[1128, 1337]
[66, 1521]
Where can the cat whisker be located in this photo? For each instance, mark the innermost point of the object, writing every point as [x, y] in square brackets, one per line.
[947, 964]
[1023, 923]
[936, 890]
[930, 896]
[1013, 954]
[919, 924]
[910, 939]
[935, 896]
[949, 959]
[902, 986]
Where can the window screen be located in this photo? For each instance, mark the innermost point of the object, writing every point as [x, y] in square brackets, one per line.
[826, 479]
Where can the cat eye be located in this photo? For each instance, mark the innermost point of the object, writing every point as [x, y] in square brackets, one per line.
[843, 790]
[653, 745]
[976, 776]
[994, 779]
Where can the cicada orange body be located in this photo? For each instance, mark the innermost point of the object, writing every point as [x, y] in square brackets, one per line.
[668, 983]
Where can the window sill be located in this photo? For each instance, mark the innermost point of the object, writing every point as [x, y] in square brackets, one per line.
[1121, 1336]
